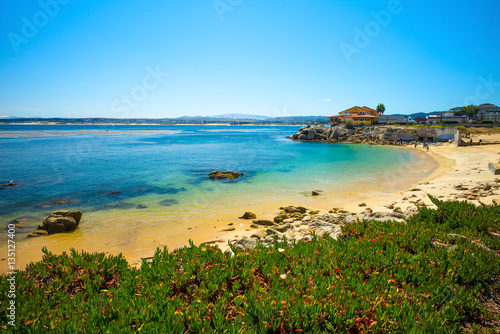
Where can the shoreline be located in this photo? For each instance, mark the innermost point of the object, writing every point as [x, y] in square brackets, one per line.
[454, 165]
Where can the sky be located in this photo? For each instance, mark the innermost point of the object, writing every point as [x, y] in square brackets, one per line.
[172, 58]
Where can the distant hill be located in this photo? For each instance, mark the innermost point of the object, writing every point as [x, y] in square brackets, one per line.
[9, 117]
[227, 118]
[241, 116]
[299, 119]
[418, 114]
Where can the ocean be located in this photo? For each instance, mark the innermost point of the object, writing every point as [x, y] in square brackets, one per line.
[143, 186]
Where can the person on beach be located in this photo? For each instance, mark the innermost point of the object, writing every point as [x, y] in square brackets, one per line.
[427, 147]
[470, 142]
[480, 141]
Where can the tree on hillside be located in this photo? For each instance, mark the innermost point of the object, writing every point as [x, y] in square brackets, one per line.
[380, 108]
[469, 111]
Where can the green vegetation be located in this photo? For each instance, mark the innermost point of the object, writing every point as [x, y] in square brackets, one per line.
[349, 125]
[381, 277]
[470, 111]
[381, 108]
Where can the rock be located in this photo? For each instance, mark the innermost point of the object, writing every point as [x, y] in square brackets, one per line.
[315, 193]
[254, 226]
[40, 232]
[264, 222]
[61, 221]
[293, 209]
[284, 228]
[229, 174]
[248, 215]
[362, 204]
[350, 219]
[259, 235]
[306, 218]
[245, 244]
[288, 220]
[421, 203]
[278, 219]
[271, 232]
[487, 187]
[398, 210]
[212, 242]
[228, 229]
[141, 206]
[390, 207]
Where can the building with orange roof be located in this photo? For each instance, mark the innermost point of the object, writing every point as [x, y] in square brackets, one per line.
[358, 115]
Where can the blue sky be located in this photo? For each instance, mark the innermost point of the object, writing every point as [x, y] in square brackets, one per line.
[70, 58]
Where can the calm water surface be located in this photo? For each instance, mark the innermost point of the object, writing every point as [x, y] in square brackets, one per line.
[157, 176]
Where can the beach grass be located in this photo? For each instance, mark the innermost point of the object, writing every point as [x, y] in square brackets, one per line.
[432, 274]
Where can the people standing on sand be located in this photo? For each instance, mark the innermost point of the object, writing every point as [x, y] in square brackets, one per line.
[427, 148]
[470, 142]
[480, 141]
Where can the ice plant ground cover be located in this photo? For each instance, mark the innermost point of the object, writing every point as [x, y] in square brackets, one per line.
[378, 277]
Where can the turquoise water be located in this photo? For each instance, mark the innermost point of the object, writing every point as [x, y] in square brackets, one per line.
[151, 182]
[102, 171]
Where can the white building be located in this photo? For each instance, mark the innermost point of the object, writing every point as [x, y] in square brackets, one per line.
[489, 112]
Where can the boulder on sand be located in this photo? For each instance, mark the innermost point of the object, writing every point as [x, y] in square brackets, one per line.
[229, 174]
[248, 215]
[61, 221]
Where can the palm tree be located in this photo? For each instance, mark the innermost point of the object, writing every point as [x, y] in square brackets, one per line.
[380, 108]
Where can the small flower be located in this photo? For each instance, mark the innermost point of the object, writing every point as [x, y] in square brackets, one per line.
[283, 276]
[281, 250]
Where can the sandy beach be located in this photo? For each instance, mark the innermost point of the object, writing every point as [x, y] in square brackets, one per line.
[460, 170]
[466, 166]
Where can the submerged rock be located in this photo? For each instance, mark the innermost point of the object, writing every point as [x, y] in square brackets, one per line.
[61, 221]
[229, 174]
[168, 202]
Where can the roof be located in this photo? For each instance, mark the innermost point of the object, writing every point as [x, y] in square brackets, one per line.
[361, 116]
[365, 108]
[369, 109]
[354, 116]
